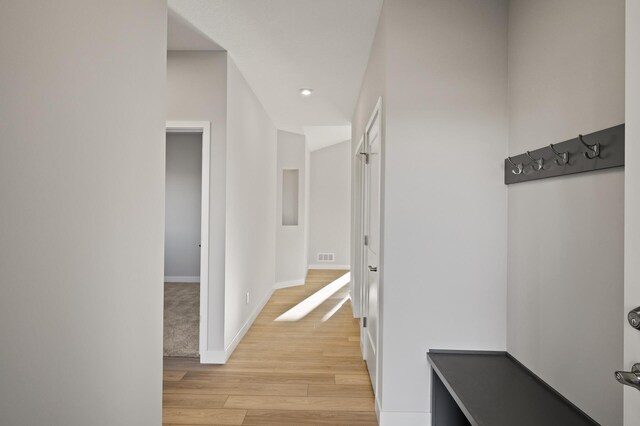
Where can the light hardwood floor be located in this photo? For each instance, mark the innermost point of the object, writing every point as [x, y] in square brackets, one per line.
[305, 372]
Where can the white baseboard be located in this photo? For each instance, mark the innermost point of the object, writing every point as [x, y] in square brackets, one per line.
[292, 283]
[234, 343]
[329, 266]
[178, 279]
[396, 418]
[213, 357]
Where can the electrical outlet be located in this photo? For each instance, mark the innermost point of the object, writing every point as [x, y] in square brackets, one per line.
[247, 298]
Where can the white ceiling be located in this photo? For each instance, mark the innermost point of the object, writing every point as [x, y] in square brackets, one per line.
[181, 35]
[281, 46]
[319, 137]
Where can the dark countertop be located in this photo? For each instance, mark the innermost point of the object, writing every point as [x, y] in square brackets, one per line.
[494, 389]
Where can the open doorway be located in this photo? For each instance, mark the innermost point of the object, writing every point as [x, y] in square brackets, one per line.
[186, 238]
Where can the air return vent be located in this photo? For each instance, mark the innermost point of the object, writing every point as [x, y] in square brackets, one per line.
[326, 257]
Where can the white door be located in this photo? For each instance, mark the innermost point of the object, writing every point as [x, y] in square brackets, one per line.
[372, 246]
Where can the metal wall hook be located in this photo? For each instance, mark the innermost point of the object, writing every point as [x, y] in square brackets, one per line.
[595, 149]
[580, 154]
[538, 161]
[518, 167]
[562, 157]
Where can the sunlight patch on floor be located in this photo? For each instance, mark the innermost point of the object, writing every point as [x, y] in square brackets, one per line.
[336, 308]
[307, 306]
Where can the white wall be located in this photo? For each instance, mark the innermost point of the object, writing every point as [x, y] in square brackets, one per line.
[82, 212]
[291, 263]
[197, 90]
[566, 234]
[208, 86]
[444, 102]
[632, 205]
[445, 201]
[251, 206]
[183, 203]
[329, 205]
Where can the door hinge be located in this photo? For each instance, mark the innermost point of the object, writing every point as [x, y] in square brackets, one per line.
[364, 322]
[366, 240]
[366, 157]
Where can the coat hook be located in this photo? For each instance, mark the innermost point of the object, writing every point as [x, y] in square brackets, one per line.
[563, 157]
[538, 161]
[518, 167]
[595, 149]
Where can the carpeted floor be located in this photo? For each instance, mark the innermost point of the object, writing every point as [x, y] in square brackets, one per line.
[181, 319]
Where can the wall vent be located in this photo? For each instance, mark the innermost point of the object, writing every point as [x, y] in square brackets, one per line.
[326, 257]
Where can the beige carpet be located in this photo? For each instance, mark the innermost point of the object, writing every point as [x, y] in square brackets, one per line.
[181, 319]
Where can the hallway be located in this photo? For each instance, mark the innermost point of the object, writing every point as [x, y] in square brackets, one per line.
[304, 367]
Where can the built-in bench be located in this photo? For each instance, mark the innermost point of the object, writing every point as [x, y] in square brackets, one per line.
[492, 388]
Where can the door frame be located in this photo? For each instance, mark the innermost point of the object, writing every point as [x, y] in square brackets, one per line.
[203, 127]
[358, 226]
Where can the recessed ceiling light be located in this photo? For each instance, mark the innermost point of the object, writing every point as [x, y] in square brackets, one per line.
[306, 92]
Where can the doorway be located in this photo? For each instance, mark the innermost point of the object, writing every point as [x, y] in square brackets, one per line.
[186, 238]
[371, 244]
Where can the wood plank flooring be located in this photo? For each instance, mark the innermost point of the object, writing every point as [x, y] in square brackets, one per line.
[305, 372]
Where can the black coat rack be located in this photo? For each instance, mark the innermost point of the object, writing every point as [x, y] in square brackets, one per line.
[600, 150]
